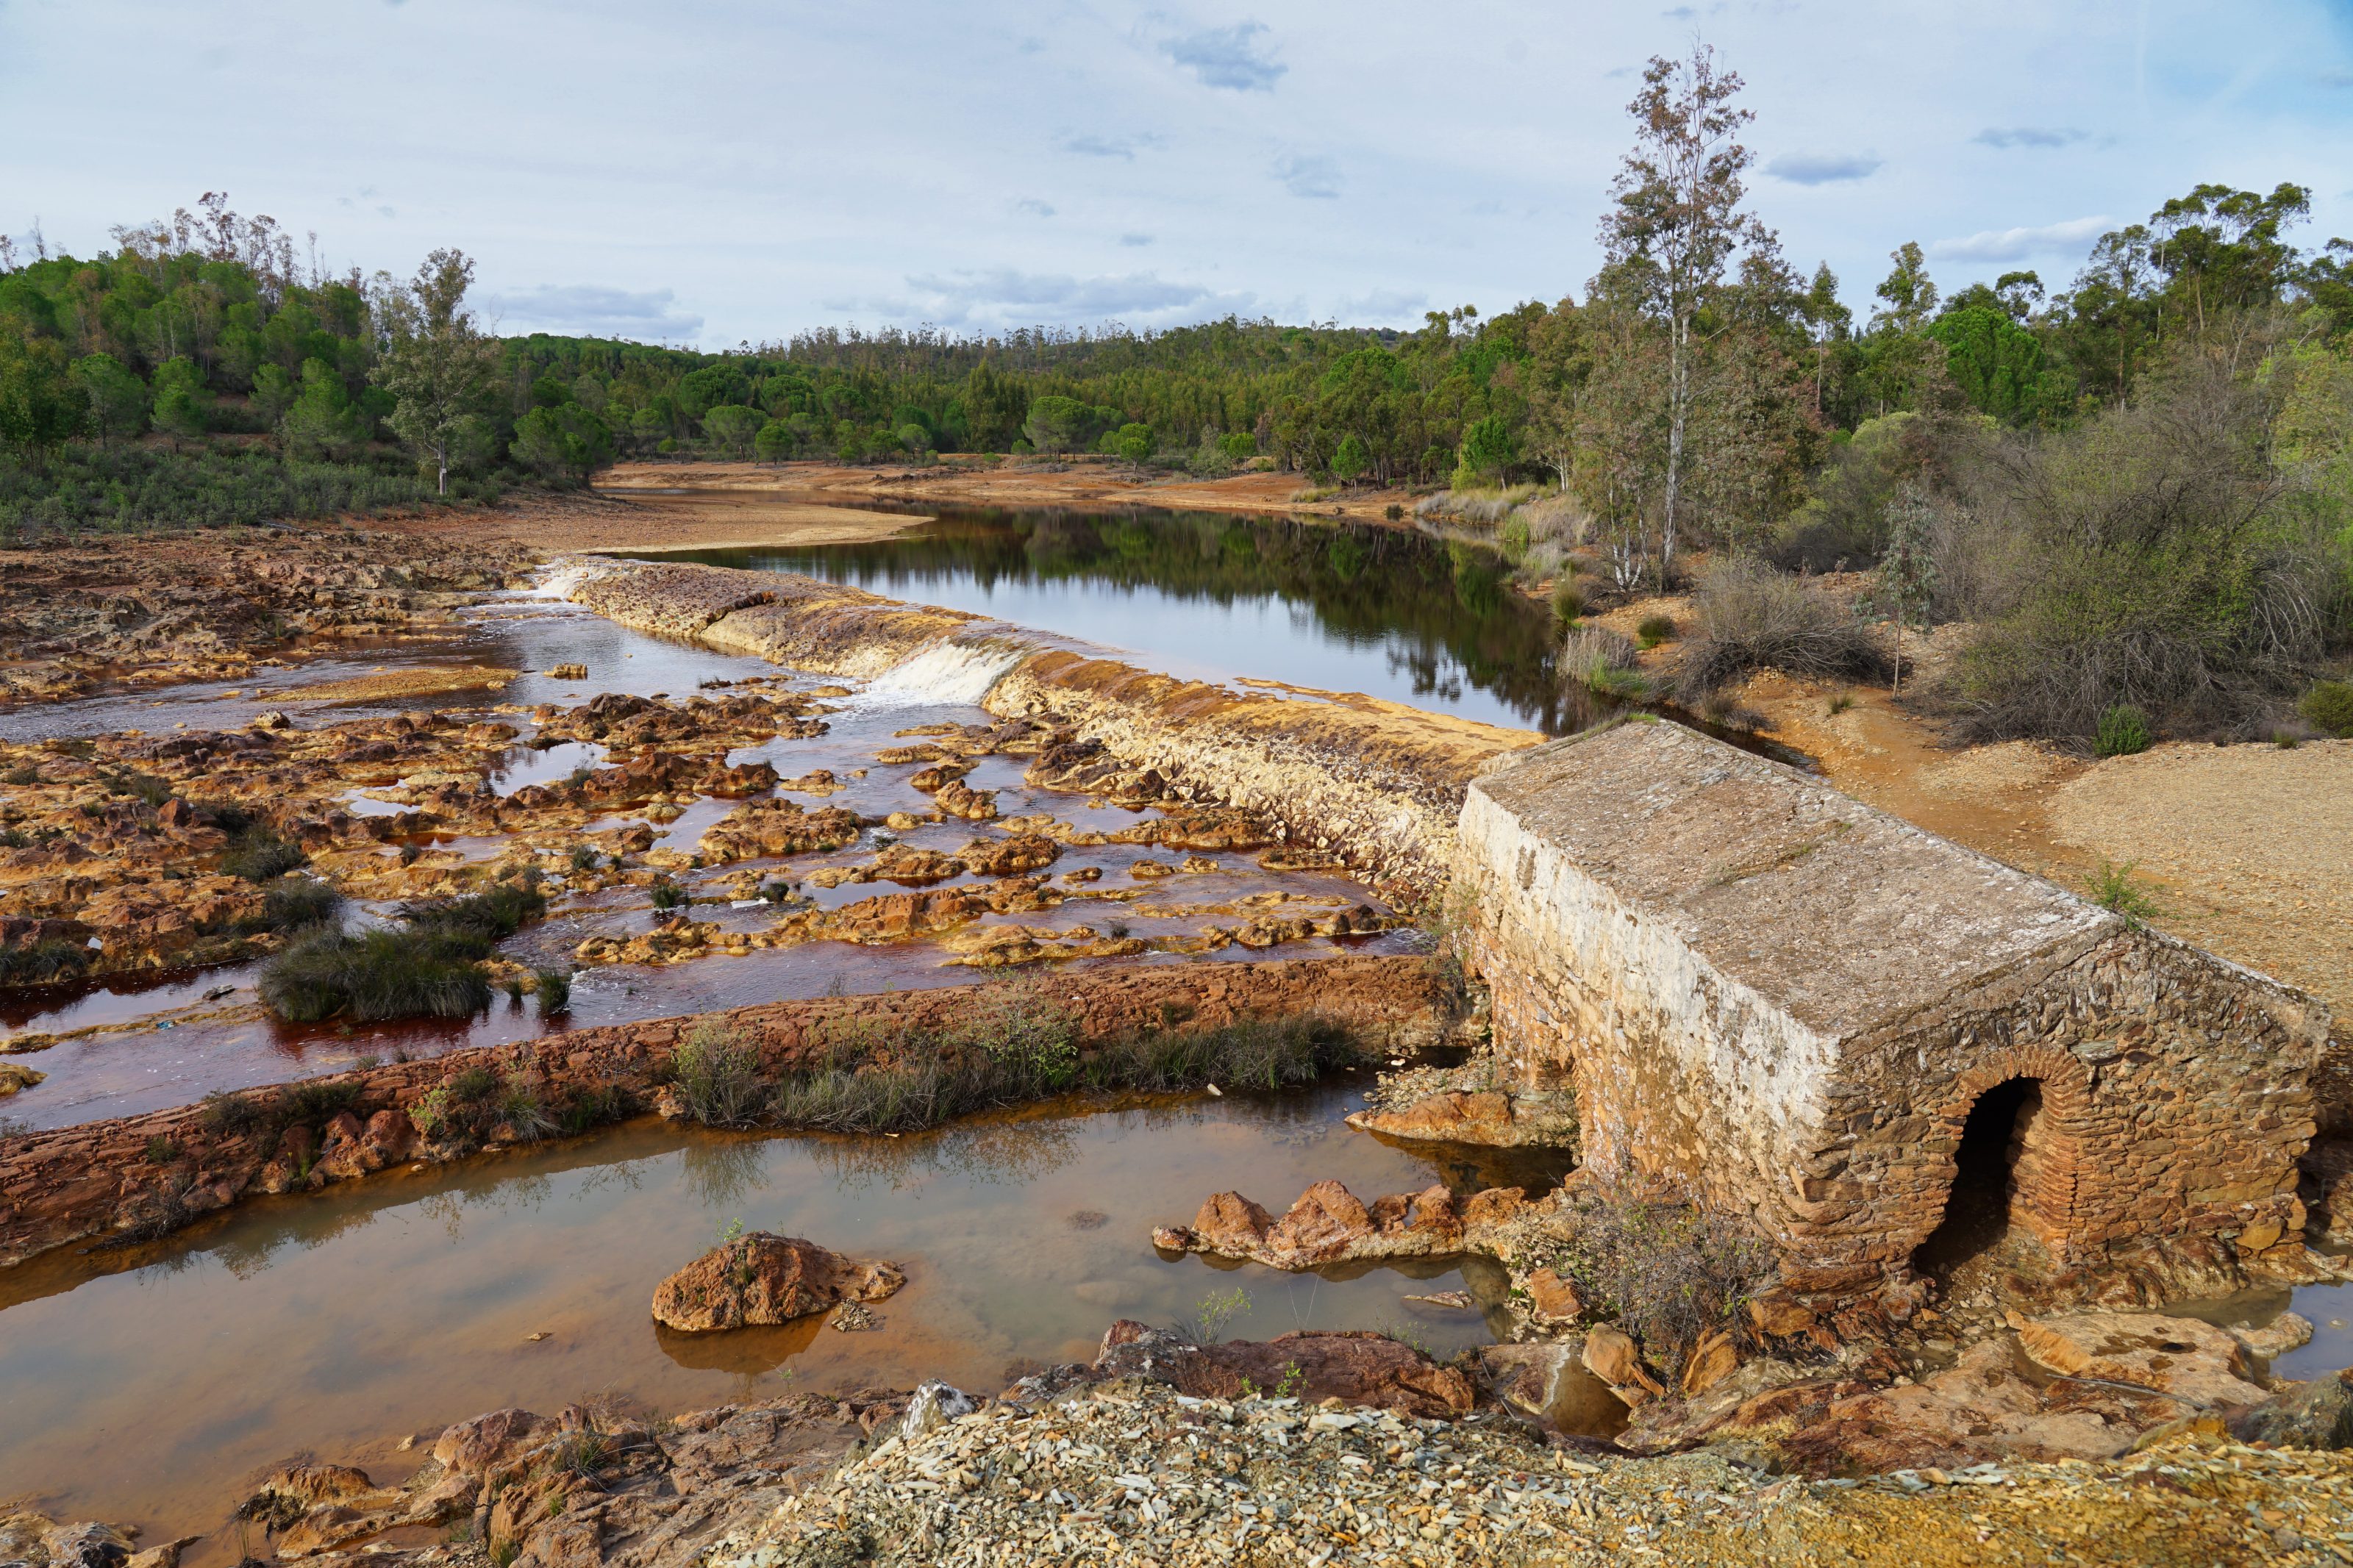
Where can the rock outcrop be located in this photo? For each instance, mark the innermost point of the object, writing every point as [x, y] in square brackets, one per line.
[1329, 1224]
[763, 1279]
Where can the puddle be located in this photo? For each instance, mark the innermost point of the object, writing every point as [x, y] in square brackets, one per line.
[145, 1387]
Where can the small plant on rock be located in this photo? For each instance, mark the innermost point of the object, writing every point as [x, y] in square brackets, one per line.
[2118, 887]
[1206, 1324]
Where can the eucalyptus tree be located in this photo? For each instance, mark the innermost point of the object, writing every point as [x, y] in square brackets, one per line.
[1676, 226]
[440, 368]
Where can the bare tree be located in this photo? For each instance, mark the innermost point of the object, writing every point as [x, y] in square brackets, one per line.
[439, 367]
[1677, 226]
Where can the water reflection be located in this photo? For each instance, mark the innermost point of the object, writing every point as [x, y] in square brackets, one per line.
[143, 1385]
[1336, 606]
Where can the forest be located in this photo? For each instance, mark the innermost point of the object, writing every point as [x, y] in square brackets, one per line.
[2139, 482]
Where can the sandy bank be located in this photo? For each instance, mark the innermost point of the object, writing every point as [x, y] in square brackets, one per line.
[1093, 482]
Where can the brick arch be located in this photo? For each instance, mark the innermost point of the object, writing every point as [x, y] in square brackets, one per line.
[2059, 1178]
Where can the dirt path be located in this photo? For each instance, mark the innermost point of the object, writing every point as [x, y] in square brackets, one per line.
[642, 517]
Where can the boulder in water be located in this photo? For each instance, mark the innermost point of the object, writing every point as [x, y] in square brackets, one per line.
[761, 1278]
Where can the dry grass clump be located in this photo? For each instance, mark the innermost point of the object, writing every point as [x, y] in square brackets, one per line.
[1603, 661]
[1753, 617]
[1665, 1272]
[1014, 1051]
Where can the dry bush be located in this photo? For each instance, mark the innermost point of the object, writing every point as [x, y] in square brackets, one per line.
[1752, 617]
[2154, 558]
[1665, 1272]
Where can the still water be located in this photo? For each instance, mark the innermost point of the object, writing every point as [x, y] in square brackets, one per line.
[1334, 606]
[146, 1386]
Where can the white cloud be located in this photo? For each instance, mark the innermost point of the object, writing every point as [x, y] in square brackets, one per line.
[1091, 145]
[1005, 295]
[584, 309]
[2017, 244]
[2031, 136]
[1308, 174]
[1034, 207]
[1227, 57]
[1822, 168]
[1133, 240]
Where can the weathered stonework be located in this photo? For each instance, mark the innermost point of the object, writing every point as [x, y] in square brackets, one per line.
[1786, 1004]
[1376, 784]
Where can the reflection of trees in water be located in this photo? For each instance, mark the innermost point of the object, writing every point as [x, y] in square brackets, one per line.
[1443, 609]
[1011, 1152]
[718, 1170]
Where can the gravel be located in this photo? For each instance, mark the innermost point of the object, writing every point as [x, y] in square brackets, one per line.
[1131, 1473]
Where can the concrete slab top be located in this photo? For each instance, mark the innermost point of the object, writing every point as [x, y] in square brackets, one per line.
[1841, 914]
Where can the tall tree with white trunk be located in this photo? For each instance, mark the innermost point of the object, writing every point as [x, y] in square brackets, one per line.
[1675, 228]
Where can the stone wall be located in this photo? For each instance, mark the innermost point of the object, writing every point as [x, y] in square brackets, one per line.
[101, 1177]
[1785, 1004]
[1376, 782]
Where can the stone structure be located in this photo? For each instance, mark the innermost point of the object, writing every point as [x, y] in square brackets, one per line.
[1790, 1006]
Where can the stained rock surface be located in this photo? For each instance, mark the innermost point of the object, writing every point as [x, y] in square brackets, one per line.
[761, 1278]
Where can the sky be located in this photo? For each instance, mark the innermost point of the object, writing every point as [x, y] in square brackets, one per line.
[716, 171]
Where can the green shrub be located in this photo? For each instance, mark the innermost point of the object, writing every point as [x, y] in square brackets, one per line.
[162, 1151]
[481, 919]
[2123, 730]
[2328, 707]
[667, 895]
[1654, 630]
[1665, 1272]
[718, 1077]
[554, 991]
[258, 855]
[374, 975]
[1025, 1030]
[297, 903]
[1601, 661]
[1567, 603]
[591, 1107]
[38, 963]
[144, 787]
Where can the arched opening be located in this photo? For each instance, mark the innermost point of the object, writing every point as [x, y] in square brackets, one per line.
[1998, 1134]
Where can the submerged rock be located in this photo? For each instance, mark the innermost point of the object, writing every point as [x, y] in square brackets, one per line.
[761, 1278]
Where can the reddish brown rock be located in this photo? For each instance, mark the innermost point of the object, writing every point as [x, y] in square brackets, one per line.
[1611, 1355]
[476, 1447]
[2179, 1356]
[765, 1280]
[1329, 1224]
[1358, 1367]
[1552, 1299]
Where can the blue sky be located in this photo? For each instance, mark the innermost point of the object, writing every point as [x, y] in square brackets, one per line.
[728, 169]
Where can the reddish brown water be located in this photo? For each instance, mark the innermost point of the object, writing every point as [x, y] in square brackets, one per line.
[163, 1044]
[146, 1387]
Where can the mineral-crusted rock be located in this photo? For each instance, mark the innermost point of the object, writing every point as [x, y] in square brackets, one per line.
[2180, 1356]
[761, 1278]
[2289, 1330]
[1361, 1368]
[774, 826]
[16, 1077]
[959, 799]
[1611, 1355]
[1329, 1224]
[2316, 1415]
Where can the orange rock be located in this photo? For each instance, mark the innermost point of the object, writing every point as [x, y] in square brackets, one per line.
[1611, 1355]
[765, 1279]
[1552, 1299]
[1712, 1360]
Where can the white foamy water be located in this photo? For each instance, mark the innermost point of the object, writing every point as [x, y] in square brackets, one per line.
[564, 577]
[948, 673]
